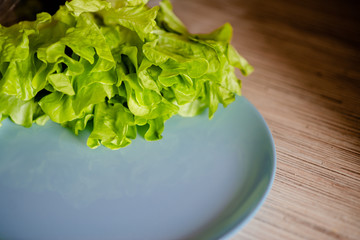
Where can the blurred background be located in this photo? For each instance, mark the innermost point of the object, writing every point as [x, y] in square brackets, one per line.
[13, 11]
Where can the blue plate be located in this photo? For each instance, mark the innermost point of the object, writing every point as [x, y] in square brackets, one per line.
[204, 180]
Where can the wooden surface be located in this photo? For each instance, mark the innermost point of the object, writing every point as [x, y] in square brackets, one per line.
[306, 84]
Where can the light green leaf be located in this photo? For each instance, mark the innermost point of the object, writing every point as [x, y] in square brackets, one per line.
[59, 107]
[139, 19]
[17, 79]
[156, 127]
[21, 112]
[61, 83]
[238, 61]
[168, 20]
[80, 6]
[111, 126]
[122, 3]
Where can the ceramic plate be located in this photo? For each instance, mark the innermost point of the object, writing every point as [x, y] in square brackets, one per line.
[203, 180]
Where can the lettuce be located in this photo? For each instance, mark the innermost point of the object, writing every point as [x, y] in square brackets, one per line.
[113, 67]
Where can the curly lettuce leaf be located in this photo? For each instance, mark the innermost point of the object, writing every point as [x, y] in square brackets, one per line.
[114, 67]
[113, 126]
[20, 112]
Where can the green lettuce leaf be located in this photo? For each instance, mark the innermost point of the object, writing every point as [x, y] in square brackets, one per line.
[21, 112]
[114, 67]
[113, 126]
[168, 20]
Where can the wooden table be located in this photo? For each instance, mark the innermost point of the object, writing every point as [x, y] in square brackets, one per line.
[306, 84]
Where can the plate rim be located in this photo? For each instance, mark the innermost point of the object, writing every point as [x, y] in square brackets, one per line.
[240, 223]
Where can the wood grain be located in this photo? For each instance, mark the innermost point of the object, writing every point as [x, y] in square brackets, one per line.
[306, 84]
